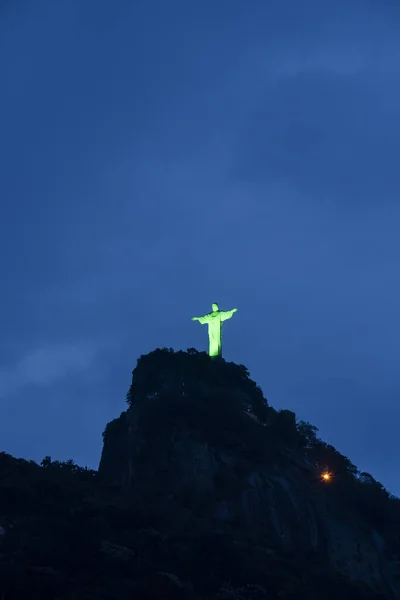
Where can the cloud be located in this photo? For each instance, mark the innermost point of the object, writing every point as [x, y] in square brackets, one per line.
[46, 365]
[334, 139]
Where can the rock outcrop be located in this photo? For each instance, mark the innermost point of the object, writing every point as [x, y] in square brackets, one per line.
[196, 451]
[204, 492]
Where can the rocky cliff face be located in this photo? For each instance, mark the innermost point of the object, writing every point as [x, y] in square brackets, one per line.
[275, 501]
[204, 492]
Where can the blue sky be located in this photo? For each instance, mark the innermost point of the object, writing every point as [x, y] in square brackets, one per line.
[156, 157]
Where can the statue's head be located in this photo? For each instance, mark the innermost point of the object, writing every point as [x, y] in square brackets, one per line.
[214, 307]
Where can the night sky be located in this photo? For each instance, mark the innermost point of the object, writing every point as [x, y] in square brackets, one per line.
[157, 156]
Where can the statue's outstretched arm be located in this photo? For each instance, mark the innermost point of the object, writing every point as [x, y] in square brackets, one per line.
[227, 314]
[202, 320]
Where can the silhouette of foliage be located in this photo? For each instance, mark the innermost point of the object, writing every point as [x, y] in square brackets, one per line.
[67, 533]
[187, 373]
[308, 433]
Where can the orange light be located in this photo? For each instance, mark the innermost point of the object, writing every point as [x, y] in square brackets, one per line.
[326, 476]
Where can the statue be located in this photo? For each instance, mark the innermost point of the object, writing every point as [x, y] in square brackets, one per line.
[214, 321]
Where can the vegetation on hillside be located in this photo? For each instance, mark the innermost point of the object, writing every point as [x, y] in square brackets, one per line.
[215, 399]
[65, 534]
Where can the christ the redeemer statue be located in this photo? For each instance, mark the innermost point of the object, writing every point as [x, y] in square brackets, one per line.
[214, 321]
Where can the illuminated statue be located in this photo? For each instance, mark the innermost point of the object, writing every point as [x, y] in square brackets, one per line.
[214, 321]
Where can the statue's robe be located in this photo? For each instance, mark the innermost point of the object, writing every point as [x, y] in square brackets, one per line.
[214, 321]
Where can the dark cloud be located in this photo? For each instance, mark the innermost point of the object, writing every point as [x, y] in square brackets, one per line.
[330, 136]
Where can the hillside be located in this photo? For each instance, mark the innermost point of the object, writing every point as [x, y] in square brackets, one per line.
[204, 491]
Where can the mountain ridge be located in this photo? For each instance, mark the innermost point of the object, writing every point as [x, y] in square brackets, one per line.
[204, 491]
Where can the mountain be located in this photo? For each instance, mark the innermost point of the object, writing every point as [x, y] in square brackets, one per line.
[204, 491]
